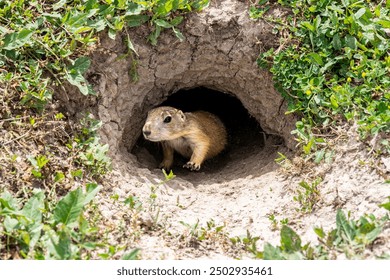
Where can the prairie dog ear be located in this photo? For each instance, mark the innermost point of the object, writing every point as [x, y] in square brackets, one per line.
[181, 115]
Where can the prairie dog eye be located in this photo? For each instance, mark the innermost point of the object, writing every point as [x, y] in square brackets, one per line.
[167, 119]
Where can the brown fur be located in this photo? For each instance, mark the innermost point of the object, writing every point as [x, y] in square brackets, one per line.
[198, 135]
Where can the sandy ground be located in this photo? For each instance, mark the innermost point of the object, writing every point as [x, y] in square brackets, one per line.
[243, 194]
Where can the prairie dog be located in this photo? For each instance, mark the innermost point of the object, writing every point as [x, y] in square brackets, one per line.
[198, 135]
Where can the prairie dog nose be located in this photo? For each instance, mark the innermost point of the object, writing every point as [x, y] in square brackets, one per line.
[146, 132]
[146, 129]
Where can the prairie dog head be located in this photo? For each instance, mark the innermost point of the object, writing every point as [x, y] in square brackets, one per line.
[164, 123]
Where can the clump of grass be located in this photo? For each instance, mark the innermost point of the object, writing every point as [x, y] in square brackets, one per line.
[350, 238]
[333, 67]
[309, 196]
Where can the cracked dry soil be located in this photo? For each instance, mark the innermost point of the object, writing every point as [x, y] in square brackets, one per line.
[215, 69]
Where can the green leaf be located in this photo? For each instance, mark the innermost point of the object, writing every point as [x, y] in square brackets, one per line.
[80, 65]
[179, 35]
[75, 72]
[350, 41]
[134, 9]
[360, 13]
[386, 205]
[307, 148]
[163, 23]
[319, 156]
[79, 81]
[42, 161]
[37, 174]
[133, 255]
[343, 225]
[177, 20]
[77, 173]
[308, 25]
[59, 176]
[289, 240]
[199, 5]
[10, 224]
[59, 245]
[320, 232]
[154, 35]
[111, 33]
[130, 45]
[59, 4]
[384, 23]
[34, 207]
[372, 235]
[336, 42]
[134, 21]
[92, 190]
[333, 101]
[69, 208]
[98, 25]
[272, 253]
[315, 57]
[8, 201]
[17, 39]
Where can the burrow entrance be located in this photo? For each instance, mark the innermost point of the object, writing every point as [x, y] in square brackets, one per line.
[213, 69]
[250, 149]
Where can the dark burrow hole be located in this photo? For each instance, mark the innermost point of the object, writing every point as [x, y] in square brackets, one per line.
[246, 137]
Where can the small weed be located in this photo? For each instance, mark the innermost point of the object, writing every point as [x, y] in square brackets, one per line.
[38, 163]
[249, 244]
[89, 152]
[283, 161]
[352, 237]
[211, 232]
[154, 209]
[349, 237]
[275, 223]
[309, 197]
[42, 230]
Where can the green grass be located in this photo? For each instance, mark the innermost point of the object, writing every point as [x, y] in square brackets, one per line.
[350, 237]
[334, 67]
[41, 38]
